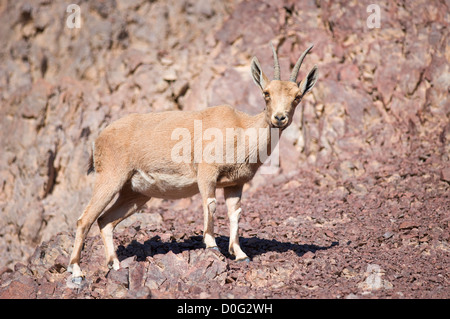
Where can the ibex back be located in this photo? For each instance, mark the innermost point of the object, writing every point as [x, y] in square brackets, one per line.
[135, 158]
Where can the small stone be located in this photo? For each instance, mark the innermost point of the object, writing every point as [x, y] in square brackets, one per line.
[141, 293]
[5, 269]
[119, 277]
[170, 75]
[328, 233]
[127, 262]
[291, 184]
[309, 255]
[408, 225]
[166, 61]
[388, 234]
[445, 174]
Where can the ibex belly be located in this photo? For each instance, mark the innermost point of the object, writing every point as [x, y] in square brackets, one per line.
[160, 185]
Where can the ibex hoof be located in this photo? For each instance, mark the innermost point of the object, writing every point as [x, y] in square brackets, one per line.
[114, 264]
[75, 282]
[243, 260]
[69, 269]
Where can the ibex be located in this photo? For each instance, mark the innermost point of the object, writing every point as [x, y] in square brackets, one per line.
[133, 157]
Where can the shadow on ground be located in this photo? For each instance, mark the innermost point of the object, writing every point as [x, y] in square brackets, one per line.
[252, 246]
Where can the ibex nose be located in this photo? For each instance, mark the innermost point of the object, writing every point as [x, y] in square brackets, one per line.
[280, 118]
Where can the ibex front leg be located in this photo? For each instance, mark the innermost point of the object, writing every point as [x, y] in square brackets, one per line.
[233, 200]
[207, 186]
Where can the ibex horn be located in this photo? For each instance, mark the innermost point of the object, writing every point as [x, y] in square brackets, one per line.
[297, 66]
[276, 64]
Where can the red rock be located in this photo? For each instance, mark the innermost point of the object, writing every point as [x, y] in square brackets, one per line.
[4, 270]
[46, 290]
[445, 174]
[119, 277]
[309, 255]
[329, 233]
[408, 225]
[18, 290]
[136, 276]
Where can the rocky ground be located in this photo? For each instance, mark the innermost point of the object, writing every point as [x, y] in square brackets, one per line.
[360, 207]
[383, 233]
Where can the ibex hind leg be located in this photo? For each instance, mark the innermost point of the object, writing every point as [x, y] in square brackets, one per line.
[126, 205]
[104, 190]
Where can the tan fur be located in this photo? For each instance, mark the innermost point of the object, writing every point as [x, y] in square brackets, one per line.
[132, 158]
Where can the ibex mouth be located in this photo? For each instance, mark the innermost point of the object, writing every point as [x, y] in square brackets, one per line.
[280, 125]
[279, 121]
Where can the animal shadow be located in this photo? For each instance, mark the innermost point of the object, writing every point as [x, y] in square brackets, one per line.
[252, 246]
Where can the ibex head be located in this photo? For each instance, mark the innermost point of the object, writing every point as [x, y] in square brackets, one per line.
[282, 97]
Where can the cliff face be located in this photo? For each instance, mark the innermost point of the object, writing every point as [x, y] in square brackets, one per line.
[382, 93]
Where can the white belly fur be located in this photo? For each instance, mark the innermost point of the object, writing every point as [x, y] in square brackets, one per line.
[166, 186]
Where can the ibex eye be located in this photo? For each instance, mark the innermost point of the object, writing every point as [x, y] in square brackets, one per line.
[266, 95]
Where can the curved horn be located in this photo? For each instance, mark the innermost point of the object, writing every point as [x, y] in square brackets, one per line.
[297, 66]
[276, 64]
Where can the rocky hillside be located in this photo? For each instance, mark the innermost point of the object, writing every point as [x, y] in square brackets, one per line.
[381, 100]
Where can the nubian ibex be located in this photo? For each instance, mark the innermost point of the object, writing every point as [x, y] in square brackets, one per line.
[138, 157]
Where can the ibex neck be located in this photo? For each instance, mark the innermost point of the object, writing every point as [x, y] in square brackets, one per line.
[259, 121]
[261, 124]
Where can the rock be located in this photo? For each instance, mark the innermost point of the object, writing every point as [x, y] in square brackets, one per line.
[388, 235]
[291, 184]
[19, 290]
[141, 293]
[308, 256]
[408, 225]
[47, 290]
[136, 276]
[128, 262]
[155, 277]
[170, 75]
[180, 88]
[116, 291]
[32, 225]
[119, 277]
[61, 263]
[445, 174]
[374, 280]
[5, 270]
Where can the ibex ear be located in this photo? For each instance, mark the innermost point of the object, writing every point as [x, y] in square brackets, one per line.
[307, 84]
[258, 75]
